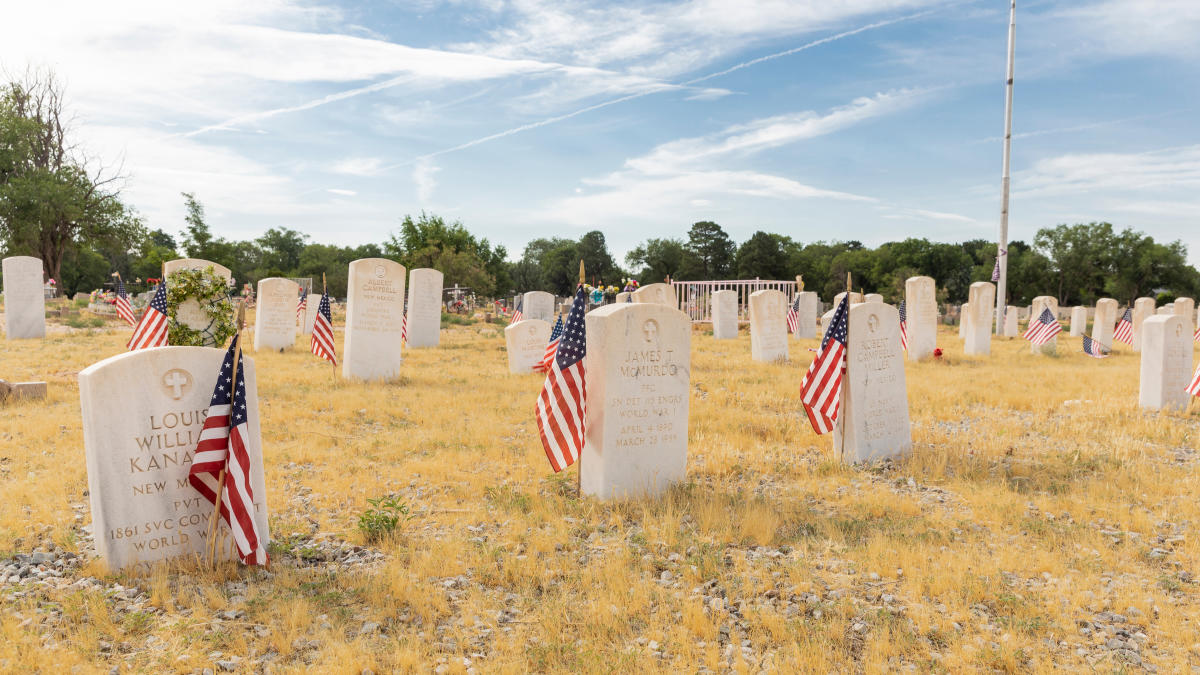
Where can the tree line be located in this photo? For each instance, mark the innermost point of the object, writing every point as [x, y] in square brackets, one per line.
[61, 206]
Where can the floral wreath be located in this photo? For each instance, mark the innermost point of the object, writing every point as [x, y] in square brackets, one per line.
[208, 289]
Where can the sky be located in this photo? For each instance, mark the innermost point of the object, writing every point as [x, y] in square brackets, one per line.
[871, 120]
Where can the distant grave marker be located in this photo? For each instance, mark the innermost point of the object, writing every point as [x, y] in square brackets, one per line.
[979, 327]
[374, 314]
[920, 307]
[768, 326]
[1166, 363]
[725, 314]
[525, 342]
[24, 298]
[425, 307]
[275, 314]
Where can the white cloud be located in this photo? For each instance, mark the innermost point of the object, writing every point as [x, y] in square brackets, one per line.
[1133, 27]
[358, 166]
[1170, 169]
[423, 176]
[340, 192]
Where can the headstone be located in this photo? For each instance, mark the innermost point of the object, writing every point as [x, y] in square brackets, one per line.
[1186, 308]
[538, 305]
[1104, 322]
[806, 322]
[639, 375]
[425, 307]
[142, 416]
[1166, 362]
[768, 326]
[1010, 322]
[982, 297]
[1142, 308]
[1040, 303]
[526, 344]
[920, 308]
[275, 314]
[21, 391]
[310, 313]
[855, 298]
[1166, 310]
[374, 317]
[964, 317]
[725, 314]
[872, 297]
[1078, 321]
[873, 422]
[196, 264]
[24, 300]
[624, 297]
[662, 294]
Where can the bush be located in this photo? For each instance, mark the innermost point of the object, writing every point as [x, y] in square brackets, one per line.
[381, 520]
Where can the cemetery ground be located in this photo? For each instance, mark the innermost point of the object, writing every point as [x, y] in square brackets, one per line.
[1043, 522]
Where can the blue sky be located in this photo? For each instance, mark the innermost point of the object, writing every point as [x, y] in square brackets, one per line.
[858, 119]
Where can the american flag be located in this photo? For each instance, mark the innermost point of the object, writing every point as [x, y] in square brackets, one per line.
[302, 305]
[560, 406]
[152, 330]
[996, 268]
[1093, 348]
[404, 329]
[1196, 336]
[1194, 387]
[821, 388]
[793, 316]
[222, 447]
[322, 335]
[1043, 329]
[551, 345]
[1124, 330]
[124, 310]
[903, 326]
[516, 315]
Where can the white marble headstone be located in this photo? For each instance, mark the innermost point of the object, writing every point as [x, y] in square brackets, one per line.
[982, 299]
[1186, 307]
[1166, 362]
[1166, 310]
[624, 297]
[142, 416]
[872, 297]
[310, 312]
[873, 422]
[526, 342]
[1078, 321]
[964, 319]
[24, 298]
[1104, 321]
[768, 326]
[638, 372]
[1039, 303]
[662, 294]
[806, 327]
[725, 314]
[920, 308]
[196, 264]
[374, 317]
[538, 305]
[275, 314]
[425, 307]
[1142, 308]
[1010, 322]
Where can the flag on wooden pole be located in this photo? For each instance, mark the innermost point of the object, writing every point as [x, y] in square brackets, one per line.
[124, 310]
[1043, 329]
[154, 327]
[793, 316]
[555, 336]
[517, 314]
[1094, 349]
[302, 305]
[322, 335]
[903, 326]
[821, 388]
[1124, 329]
[561, 405]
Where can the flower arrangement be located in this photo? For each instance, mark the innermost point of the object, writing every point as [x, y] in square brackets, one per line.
[206, 288]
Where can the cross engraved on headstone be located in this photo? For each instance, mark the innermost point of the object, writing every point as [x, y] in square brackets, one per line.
[176, 380]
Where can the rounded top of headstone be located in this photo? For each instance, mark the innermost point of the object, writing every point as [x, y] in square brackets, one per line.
[196, 264]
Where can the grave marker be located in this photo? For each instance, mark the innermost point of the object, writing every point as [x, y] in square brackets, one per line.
[979, 327]
[964, 316]
[807, 315]
[638, 383]
[425, 307]
[538, 305]
[768, 326]
[1142, 308]
[920, 308]
[1040, 303]
[525, 341]
[142, 416]
[1079, 321]
[725, 314]
[1104, 322]
[374, 314]
[662, 294]
[275, 314]
[24, 298]
[1186, 308]
[1166, 363]
[873, 422]
[1010, 322]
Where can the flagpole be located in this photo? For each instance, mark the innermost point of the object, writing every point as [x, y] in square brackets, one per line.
[1002, 245]
[216, 514]
[579, 473]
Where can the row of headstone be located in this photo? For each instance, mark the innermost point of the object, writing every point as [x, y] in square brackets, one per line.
[375, 316]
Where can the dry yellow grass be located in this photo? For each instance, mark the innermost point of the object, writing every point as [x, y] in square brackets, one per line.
[1038, 497]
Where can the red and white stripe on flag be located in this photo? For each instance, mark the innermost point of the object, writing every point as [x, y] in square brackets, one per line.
[1194, 387]
[821, 388]
[125, 311]
[1042, 329]
[321, 343]
[562, 403]
[153, 329]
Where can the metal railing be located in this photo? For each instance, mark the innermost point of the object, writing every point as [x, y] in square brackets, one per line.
[695, 297]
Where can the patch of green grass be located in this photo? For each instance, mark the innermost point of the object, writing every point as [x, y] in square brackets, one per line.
[509, 499]
[382, 519]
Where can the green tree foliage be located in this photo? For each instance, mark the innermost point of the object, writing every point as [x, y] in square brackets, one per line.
[712, 253]
[464, 259]
[763, 256]
[656, 259]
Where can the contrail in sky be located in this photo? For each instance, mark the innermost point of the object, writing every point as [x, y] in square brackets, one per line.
[655, 90]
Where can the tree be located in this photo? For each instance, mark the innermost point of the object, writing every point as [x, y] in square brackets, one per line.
[51, 200]
[762, 257]
[658, 258]
[465, 260]
[598, 262]
[712, 252]
[280, 252]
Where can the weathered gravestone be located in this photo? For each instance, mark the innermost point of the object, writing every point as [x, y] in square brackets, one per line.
[1078, 321]
[425, 307]
[525, 342]
[1040, 303]
[806, 320]
[873, 421]
[195, 264]
[662, 294]
[982, 298]
[872, 297]
[1010, 322]
[1186, 308]
[142, 416]
[310, 313]
[768, 326]
[275, 314]
[624, 297]
[1142, 309]
[964, 318]
[21, 391]
[855, 298]
[725, 314]
[1166, 363]
[1166, 310]
[920, 308]
[538, 305]
[374, 314]
[24, 298]
[639, 376]
[1104, 322]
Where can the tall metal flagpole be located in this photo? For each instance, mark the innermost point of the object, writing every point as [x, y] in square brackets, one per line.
[1002, 245]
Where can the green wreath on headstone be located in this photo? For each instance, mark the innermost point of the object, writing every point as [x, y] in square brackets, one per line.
[209, 289]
